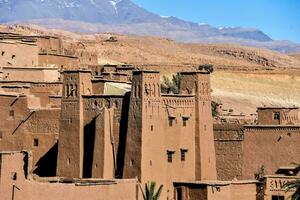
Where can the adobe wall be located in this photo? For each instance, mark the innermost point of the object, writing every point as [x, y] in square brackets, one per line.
[245, 190]
[218, 190]
[198, 83]
[18, 54]
[43, 126]
[273, 186]
[229, 151]
[43, 91]
[57, 60]
[86, 57]
[161, 128]
[285, 116]
[271, 146]
[31, 74]
[27, 188]
[26, 127]
[50, 45]
[95, 103]
[13, 111]
[15, 87]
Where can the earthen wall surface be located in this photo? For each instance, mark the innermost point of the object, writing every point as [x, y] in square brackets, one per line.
[18, 54]
[229, 151]
[27, 188]
[272, 147]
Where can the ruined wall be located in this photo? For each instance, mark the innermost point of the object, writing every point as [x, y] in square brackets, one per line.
[13, 182]
[18, 54]
[50, 45]
[86, 57]
[229, 151]
[271, 146]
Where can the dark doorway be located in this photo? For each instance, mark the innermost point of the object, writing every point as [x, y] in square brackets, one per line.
[277, 197]
[88, 152]
[179, 193]
[46, 166]
[122, 136]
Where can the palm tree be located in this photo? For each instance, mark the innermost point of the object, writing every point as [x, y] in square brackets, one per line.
[150, 193]
[294, 185]
[172, 85]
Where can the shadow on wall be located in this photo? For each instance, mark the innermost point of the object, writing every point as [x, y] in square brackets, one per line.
[46, 166]
[122, 136]
[89, 144]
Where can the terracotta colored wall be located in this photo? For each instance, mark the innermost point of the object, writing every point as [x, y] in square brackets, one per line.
[44, 90]
[287, 116]
[273, 186]
[50, 45]
[272, 147]
[150, 135]
[31, 74]
[241, 155]
[229, 151]
[217, 190]
[95, 103]
[24, 55]
[17, 135]
[60, 61]
[243, 191]
[198, 83]
[34, 190]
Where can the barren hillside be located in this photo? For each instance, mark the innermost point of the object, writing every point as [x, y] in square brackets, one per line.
[244, 77]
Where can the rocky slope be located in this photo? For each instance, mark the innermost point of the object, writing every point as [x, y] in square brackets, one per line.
[244, 77]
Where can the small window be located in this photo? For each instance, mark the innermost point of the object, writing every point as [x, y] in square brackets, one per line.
[184, 120]
[69, 161]
[36, 142]
[14, 176]
[12, 113]
[2, 53]
[1, 134]
[183, 154]
[170, 156]
[274, 197]
[131, 163]
[151, 127]
[13, 56]
[171, 121]
[276, 115]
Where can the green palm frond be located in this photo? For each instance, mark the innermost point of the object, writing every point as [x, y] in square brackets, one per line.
[150, 193]
[293, 185]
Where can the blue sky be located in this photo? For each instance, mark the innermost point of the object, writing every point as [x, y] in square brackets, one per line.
[280, 19]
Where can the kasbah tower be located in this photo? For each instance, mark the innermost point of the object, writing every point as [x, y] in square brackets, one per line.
[170, 137]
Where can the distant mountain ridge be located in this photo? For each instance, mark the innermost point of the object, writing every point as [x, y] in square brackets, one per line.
[125, 17]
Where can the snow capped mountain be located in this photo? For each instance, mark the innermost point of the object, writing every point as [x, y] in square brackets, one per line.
[123, 16]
